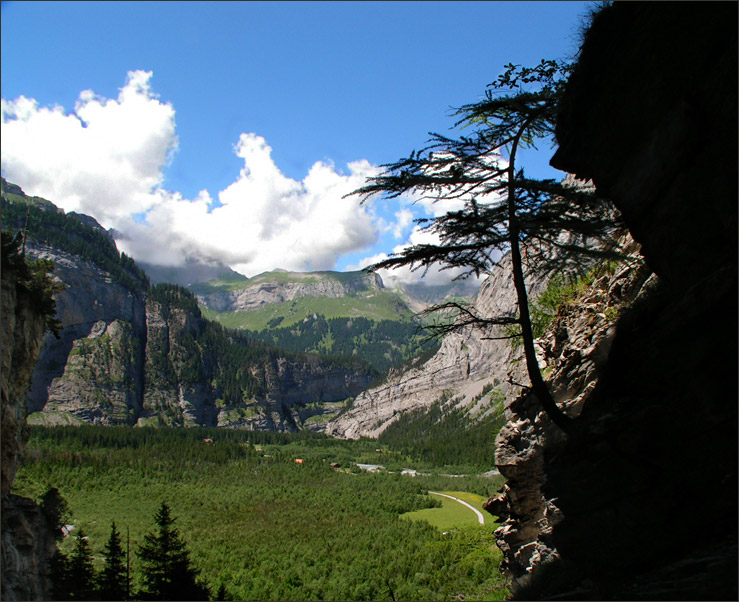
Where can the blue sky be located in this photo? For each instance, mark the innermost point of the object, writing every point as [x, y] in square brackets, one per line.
[230, 130]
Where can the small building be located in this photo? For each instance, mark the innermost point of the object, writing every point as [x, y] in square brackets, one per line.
[298, 460]
[335, 465]
[207, 440]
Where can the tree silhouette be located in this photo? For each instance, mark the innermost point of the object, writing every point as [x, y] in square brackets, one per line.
[544, 225]
[167, 573]
[113, 580]
[81, 574]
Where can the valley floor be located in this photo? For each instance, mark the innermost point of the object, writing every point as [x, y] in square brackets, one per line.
[265, 526]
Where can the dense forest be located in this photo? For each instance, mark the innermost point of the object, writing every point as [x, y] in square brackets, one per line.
[381, 343]
[257, 522]
[445, 435]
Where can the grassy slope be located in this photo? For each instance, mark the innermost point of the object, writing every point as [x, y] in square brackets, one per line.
[373, 304]
[378, 306]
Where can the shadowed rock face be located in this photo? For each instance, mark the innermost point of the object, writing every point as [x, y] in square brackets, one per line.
[650, 115]
[27, 541]
[642, 503]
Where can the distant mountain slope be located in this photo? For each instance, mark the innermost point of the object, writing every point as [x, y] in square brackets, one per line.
[129, 353]
[382, 343]
[469, 373]
[286, 298]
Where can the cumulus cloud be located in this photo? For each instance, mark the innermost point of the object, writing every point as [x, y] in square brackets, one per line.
[265, 220]
[104, 159]
[107, 158]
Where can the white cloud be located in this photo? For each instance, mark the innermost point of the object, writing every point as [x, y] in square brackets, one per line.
[266, 220]
[404, 218]
[105, 159]
[435, 275]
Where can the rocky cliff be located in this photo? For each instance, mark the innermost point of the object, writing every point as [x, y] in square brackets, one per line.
[94, 369]
[27, 541]
[198, 374]
[640, 502]
[129, 353]
[467, 361]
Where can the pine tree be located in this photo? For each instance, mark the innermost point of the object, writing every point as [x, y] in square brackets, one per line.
[61, 588]
[167, 573]
[113, 581]
[81, 572]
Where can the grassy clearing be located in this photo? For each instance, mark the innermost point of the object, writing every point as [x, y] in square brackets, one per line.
[452, 514]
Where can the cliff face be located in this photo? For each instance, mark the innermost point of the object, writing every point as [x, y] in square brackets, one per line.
[466, 361]
[27, 541]
[94, 369]
[22, 333]
[126, 360]
[650, 115]
[124, 357]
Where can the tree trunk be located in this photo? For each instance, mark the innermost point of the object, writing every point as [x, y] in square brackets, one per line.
[532, 365]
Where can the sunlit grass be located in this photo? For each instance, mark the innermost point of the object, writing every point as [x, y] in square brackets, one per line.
[452, 514]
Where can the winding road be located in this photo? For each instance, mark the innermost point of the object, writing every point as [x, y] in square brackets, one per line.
[480, 517]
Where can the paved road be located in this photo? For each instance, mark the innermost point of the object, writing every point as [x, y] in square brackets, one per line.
[480, 517]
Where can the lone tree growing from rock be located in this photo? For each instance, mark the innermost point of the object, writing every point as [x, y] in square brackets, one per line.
[545, 225]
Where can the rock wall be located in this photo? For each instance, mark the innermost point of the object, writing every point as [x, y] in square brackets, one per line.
[84, 372]
[27, 541]
[108, 366]
[641, 501]
[22, 332]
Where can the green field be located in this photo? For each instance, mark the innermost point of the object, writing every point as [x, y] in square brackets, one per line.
[262, 525]
[452, 514]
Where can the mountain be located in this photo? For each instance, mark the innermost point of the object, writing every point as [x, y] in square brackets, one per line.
[194, 271]
[286, 298]
[420, 296]
[469, 372]
[344, 313]
[129, 353]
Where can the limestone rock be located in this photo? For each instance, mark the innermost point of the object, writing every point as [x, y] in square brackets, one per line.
[466, 361]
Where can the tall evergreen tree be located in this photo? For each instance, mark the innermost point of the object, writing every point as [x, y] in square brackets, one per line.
[81, 571]
[61, 587]
[113, 580]
[167, 573]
